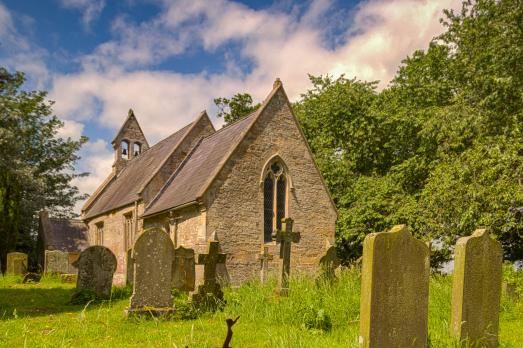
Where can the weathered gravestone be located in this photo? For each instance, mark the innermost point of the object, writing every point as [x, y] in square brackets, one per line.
[209, 294]
[394, 290]
[264, 259]
[56, 261]
[96, 266]
[129, 273]
[184, 272]
[286, 238]
[328, 263]
[73, 257]
[476, 290]
[153, 254]
[16, 263]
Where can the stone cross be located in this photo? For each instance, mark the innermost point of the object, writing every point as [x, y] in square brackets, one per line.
[16, 263]
[286, 238]
[394, 290]
[209, 294]
[476, 290]
[264, 257]
[210, 261]
[153, 254]
[96, 266]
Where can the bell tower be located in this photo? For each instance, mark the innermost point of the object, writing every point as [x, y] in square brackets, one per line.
[128, 143]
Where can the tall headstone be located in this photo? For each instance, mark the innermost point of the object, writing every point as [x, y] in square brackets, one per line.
[286, 237]
[476, 289]
[56, 261]
[264, 259]
[210, 292]
[153, 254]
[394, 290]
[96, 266]
[184, 269]
[16, 263]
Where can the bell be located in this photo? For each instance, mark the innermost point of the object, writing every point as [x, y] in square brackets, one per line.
[124, 152]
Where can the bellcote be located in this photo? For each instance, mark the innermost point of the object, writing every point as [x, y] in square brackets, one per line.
[128, 143]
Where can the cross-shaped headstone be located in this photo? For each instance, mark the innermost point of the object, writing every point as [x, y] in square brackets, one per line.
[286, 238]
[264, 259]
[210, 261]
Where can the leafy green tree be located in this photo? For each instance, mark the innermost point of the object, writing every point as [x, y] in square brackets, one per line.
[235, 108]
[36, 166]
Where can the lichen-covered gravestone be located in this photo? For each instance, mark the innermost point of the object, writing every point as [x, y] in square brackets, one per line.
[184, 272]
[394, 290]
[476, 289]
[16, 263]
[153, 255]
[56, 262]
[96, 266]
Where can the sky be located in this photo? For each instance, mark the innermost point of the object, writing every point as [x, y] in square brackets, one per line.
[168, 59]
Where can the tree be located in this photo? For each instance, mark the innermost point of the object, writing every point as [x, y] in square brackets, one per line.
[36, 166]
[233, 109]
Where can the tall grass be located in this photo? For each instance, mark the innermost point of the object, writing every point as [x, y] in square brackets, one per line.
[314, 315]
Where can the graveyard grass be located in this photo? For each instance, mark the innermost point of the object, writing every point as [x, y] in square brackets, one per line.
[38, 315]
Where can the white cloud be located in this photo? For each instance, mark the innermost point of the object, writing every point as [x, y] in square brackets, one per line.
[91, 9]
[71, 129]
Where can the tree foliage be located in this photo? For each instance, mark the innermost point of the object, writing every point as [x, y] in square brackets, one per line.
[440, 148]
[235, 108]
[36, 166]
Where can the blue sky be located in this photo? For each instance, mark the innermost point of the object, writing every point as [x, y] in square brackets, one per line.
[168, 59]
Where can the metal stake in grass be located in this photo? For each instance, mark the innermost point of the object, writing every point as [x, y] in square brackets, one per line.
[228, 338]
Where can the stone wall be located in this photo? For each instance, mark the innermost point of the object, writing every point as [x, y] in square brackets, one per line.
[114, 235]
[235, 199]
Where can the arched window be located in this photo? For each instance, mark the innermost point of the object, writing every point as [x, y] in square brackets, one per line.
[137, 149]
[124, 145]
[274, 199]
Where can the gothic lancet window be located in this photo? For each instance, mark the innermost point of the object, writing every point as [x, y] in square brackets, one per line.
[275, 199]
[137, 149]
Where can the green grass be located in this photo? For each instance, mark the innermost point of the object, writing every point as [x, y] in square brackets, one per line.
[38, 315]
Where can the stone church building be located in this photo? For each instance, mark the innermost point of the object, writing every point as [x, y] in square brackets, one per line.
[233, 185]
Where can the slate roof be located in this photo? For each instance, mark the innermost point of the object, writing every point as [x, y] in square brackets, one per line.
[192, 178]
[69, 235]
[125, 188]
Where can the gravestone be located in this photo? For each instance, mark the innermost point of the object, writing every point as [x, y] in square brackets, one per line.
[153, 254]
[184, 272]
[96, 266]
[286, 237]
[210, 294]
[394, 290]
[129, 262]
[56, 261]
[264, 259]
[73, 257]
[476, 289]
[328, 263]
[16, 263]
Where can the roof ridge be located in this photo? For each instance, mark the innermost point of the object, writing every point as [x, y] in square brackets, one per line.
[233, 123]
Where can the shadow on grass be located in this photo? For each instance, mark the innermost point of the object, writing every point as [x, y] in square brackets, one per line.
[31, 302]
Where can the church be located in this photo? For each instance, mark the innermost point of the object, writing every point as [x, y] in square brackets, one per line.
[233, 185]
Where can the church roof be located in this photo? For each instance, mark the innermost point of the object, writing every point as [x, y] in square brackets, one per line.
[124, 189]
[190, 181]
[69, 235]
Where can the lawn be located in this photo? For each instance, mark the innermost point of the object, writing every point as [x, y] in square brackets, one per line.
[38, 315]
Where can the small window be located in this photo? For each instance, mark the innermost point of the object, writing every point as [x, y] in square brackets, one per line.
[137, 149]
[125, 149]
[128, 231]
[99, 237]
